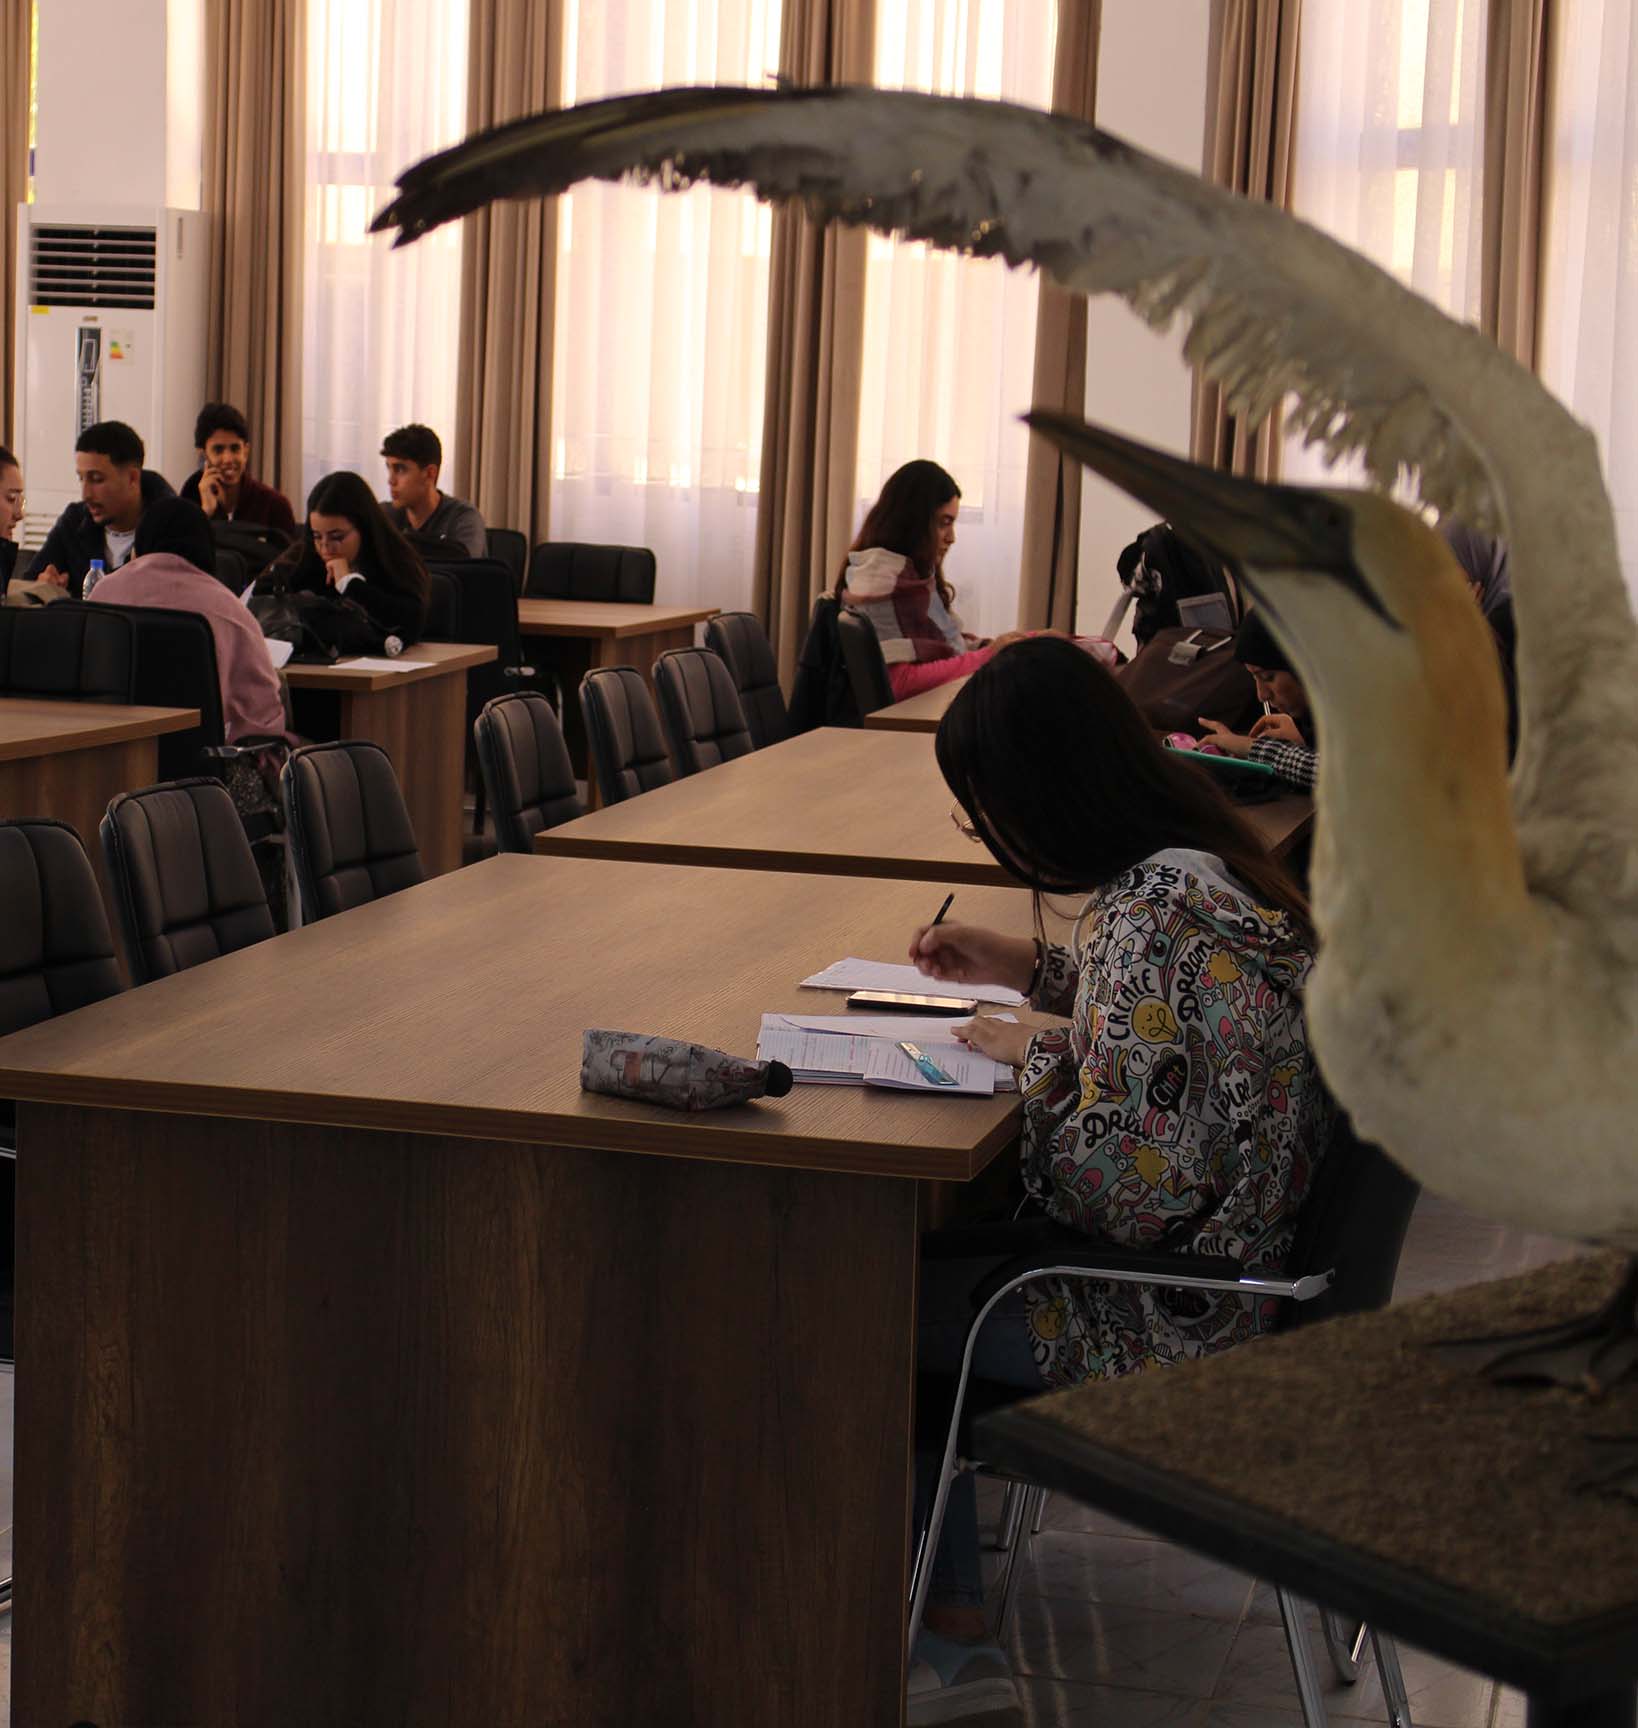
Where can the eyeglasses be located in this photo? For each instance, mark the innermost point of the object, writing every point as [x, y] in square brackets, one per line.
[334, 537]
[963, 826]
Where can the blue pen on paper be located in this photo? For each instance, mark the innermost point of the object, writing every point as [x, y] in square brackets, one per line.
[930, 1070]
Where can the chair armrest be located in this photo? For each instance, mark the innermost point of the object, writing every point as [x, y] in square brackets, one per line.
[517, 671]
[221, 752]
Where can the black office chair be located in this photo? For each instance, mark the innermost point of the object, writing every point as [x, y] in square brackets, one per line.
[510, 548]
[443, 607]
[743, 646]
[578, 570]
[186, 883]
[232, 570]
[1343, 1259]
[67, 651]
[350, 834]
[700, 708]
[56, 955]
[526, 768]
[628, 753]
[862, 655]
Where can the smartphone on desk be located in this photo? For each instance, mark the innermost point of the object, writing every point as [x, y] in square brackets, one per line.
[899, 1002]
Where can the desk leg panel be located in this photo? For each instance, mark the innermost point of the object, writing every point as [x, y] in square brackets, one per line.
[422, 727]
[318, 1426]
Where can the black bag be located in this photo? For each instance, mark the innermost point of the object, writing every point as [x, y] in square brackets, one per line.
[321, 627]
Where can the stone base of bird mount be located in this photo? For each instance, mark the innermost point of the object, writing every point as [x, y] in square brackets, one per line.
[1590, 1353]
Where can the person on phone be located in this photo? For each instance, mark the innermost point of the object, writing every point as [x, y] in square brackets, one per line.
[1281, 740]
[894, 576]
[1179, 1108]
[350, 548]
[223, 487]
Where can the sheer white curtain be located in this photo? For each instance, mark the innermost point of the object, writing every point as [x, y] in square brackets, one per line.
[386, 83]
[949, 345]
[662, 314]
[1390, 142]
[1588, 350]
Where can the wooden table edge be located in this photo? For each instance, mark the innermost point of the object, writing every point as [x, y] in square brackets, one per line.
[669, 618]
[709, 1137]
[306, 677]
[977, 874]
[155, 722]
[884, 720]
[1404, 1603]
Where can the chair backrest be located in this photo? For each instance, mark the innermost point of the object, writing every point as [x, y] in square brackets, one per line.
[56, 953]
[254, 542]
[185, 880]
[862, 654]
[350, 834]
[700, 707]
[67, 650]
[742, 643]
[232, 569]
[443, 607]
[526, 768]
[1353, 1221]
[488, 614]
[176, 668]
[628, 753]
[509, 547]
[577, 570]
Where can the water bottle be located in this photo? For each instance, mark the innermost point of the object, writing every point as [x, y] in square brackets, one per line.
[673, 1072]
[92, 577]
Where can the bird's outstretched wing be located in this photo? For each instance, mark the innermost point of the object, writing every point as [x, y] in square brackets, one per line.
[1275, 306]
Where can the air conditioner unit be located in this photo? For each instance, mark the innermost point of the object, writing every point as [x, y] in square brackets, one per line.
[111, 320]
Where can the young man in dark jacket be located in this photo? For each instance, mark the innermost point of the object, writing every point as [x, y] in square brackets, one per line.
[223, 487]
[114, 491]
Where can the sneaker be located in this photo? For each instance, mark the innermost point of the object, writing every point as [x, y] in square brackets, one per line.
[970, 1684]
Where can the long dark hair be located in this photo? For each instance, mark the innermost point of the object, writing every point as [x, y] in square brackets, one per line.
[384, 555]
[1065, 783]
[901, 520]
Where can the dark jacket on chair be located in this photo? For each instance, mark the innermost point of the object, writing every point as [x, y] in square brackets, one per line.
[75, 539]
[823, 693]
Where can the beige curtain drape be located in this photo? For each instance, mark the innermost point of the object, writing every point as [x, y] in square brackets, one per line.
[1250, 147]
[14, 62]
[254, 191]
[503, 422]
[1517, 80]
[810, 422]
[1049, 558]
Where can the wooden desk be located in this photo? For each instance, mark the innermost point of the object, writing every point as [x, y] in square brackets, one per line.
[835, 801]
[381, 1375]
[917, 713]
[1350, 1463]
[67, 760]
[417, 717]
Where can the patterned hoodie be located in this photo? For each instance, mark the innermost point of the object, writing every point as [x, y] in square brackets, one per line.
[1180, 1109]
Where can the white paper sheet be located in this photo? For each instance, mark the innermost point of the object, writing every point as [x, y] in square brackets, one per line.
[932, 1034]
[367, 663]
[842, 1059]
[278, 650]
[854, 974]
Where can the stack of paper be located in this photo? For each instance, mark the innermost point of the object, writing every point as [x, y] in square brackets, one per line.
[854, 974]
[828, 1050]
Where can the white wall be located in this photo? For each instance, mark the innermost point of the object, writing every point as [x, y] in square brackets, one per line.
[1151, 91]
[121, 103]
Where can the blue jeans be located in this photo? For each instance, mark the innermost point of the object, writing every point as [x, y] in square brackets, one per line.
[1001, 1353]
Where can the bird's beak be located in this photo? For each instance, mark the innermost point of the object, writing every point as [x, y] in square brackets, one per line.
[1251, 527]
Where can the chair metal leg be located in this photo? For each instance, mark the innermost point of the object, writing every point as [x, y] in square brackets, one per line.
[1012, 1508]
[1022, 1536]
[1392, 1678]
[1042, 1495]
[1302, 1659]
[1346, 1643]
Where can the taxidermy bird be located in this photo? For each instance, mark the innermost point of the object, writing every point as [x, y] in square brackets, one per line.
[1475, 1000]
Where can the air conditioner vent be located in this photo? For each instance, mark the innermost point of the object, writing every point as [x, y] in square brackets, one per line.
[92, 267]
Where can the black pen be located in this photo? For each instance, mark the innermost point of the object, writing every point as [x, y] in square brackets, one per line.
[948, 899]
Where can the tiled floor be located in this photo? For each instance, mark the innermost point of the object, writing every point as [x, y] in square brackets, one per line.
[1116, 1630]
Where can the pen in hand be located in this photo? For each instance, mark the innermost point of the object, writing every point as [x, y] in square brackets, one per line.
[939, 918]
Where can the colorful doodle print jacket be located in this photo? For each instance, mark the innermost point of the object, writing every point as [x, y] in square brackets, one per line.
[1181, 1108]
